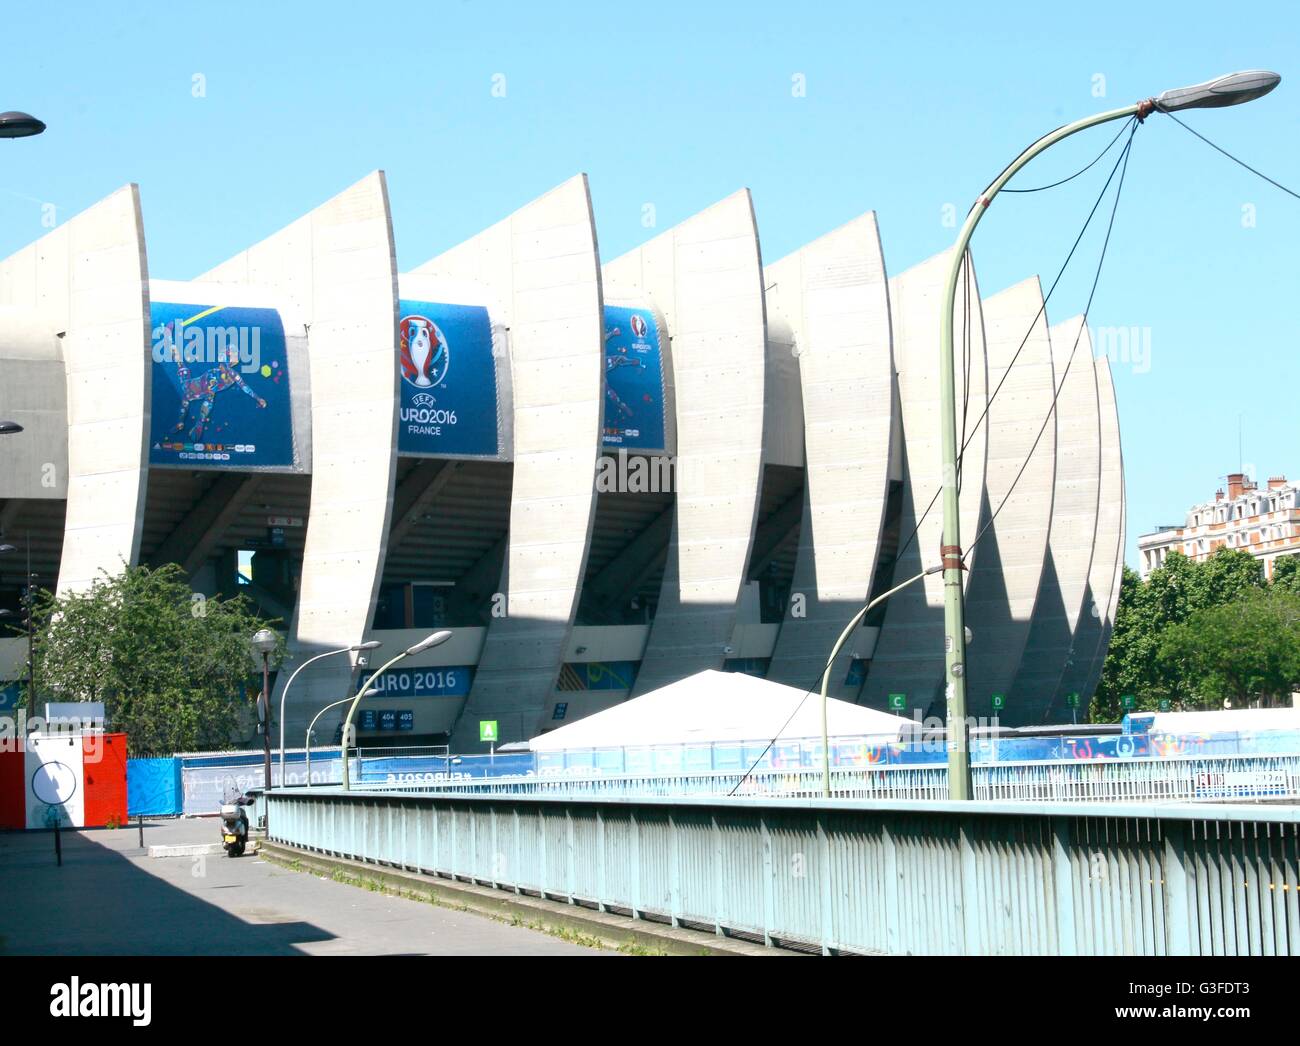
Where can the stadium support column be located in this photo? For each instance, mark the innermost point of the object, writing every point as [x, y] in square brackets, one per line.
[705, 275]
[1049, 650]
[835, 296]
[909, 652]
[337, 266]
[542, 264]
[1011, 554]
[88, 279]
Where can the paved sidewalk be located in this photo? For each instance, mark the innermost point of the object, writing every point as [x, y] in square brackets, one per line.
[111, 899]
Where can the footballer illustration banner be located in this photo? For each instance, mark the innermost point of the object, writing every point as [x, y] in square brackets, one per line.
[449, 384]
[220, 388]
[634, 380]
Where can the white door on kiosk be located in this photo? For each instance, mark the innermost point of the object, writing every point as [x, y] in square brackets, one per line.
[55, 781]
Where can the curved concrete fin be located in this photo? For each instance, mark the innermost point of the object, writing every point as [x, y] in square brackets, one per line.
[908, 654]
[1108, 555]
[337, 266]
[1050, 650]
[706, 277]
[1003, 586]
[544, 264]
[834, 295]
[89, 281]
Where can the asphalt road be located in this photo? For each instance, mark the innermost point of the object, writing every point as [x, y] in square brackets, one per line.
[109, 898]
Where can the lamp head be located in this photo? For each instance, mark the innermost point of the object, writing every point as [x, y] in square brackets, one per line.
[19, 125]
[434, 640]
[264, 641]
[370, 644]
[1232, 89]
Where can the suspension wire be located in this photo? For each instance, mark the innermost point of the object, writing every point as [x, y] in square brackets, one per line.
[1053, 185]
[1234, 159]
[1023, 341]
[1083, 325]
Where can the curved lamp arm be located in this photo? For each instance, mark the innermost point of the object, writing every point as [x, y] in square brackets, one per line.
[371, 645]
[826, 674]
[312, 726]
[433, 640]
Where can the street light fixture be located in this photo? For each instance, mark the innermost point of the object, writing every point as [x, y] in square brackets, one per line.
[1225, 90]
[264, 642]
[311, 727]
[9, 428]
[19, 125]
[436, 639]
[826, 673]
[372, 644]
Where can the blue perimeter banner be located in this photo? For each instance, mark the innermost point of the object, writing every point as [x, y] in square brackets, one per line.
[220, 388]
[449, 384]
[634, 380]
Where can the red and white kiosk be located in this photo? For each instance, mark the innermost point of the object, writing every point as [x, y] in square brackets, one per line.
[75, 778]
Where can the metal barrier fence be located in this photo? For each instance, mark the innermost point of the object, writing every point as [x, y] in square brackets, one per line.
[1173, 779]
[851, 876]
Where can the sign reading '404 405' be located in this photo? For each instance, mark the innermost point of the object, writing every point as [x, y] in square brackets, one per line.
[449, 388]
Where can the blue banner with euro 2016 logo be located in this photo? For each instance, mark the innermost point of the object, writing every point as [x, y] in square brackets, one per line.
[449, 384]
[220, 388]
[634, 380]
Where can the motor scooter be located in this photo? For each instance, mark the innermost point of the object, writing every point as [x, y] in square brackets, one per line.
[234, 824]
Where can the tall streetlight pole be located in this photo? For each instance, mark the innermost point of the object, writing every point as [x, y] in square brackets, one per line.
[1226, 90]
[311, 727]
[424, 644]
[826, 674]
[373, 644]
[264, 642]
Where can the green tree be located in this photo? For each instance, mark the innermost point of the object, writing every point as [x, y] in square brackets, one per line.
[173, 667]
[1286, 573]
[1242, 651]
[1170, 595]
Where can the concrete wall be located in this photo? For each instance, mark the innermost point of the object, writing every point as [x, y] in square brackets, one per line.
[87, 280]
[1050, 647]
[337, 267]
[1108, 552]
[34, 393]
[1003, 585]
[834, 296]
[705, 276]
[543, 262]
[908, 656]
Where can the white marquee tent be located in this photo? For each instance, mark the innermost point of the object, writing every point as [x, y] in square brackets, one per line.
[714, 706]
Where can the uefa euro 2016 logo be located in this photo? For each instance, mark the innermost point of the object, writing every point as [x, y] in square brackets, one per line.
[425, 355]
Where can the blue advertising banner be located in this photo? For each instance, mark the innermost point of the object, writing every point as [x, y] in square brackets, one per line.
[450, 681]
[9, 694]
[634, 380]
[449, 385]
[220, 388]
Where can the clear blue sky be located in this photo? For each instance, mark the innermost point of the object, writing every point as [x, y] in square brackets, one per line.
[679, 104]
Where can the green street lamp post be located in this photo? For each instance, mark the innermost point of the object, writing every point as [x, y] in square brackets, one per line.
[1226, 90]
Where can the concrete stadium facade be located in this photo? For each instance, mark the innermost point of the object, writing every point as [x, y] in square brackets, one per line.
[600, 477]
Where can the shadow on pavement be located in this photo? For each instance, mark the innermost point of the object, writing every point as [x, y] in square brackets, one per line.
[100, 902]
